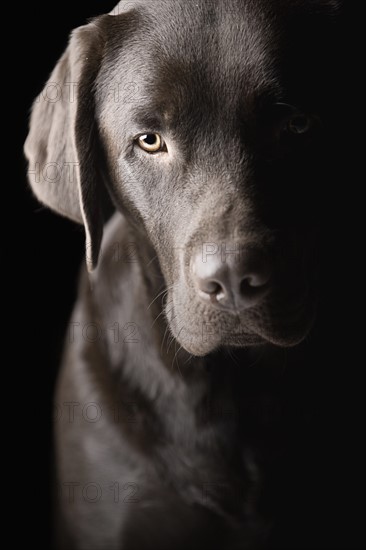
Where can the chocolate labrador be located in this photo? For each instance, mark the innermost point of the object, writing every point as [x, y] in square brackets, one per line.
[189, 137]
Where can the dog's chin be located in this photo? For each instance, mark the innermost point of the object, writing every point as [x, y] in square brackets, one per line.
[203, 338]
[200, 349]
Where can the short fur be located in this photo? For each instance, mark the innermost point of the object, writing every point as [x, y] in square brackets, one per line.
[190, 457]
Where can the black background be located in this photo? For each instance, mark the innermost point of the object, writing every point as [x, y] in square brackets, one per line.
[48, 251]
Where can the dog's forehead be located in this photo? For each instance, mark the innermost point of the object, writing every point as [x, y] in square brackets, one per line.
[232, 32]
[207, 58]
[215, 49]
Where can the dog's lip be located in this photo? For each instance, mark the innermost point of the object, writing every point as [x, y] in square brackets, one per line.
[238, 336]
[290, 330]
[282, 322]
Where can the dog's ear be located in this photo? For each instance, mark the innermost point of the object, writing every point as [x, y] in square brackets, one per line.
[62, 144]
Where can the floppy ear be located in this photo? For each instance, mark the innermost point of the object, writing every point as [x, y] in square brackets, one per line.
[62, 144]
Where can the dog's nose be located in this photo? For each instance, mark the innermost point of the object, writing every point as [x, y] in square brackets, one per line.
[234, 281]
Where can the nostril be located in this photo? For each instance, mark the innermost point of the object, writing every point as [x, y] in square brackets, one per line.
[253, 287]
[245, 286]
[212, 290]
[255, 280]
[233, 284]
[249, 288]
[211, 287]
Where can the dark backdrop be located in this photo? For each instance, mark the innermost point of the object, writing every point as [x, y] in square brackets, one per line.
[47, 257]
[48, 253]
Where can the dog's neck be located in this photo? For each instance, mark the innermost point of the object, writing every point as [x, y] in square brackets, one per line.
[198, 412]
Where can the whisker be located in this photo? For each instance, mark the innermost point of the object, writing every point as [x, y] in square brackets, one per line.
[257, 359]
[157, 317]
[171, 341]
[165, 290]
[189, 359]
[165, 335]
[232, 356]
[176, 353]
[152, 259]
[176, 358]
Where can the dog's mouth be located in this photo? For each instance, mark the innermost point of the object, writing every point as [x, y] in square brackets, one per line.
[201, 329]
[250, 297]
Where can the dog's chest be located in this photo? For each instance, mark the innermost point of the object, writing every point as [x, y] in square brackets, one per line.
[202, 452]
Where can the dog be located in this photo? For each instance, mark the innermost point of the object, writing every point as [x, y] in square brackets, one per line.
[189, 138]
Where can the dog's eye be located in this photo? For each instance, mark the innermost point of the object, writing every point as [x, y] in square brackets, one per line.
[299, 124]
[151, 143]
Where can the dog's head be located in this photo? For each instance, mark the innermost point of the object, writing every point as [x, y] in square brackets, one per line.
[205, 121]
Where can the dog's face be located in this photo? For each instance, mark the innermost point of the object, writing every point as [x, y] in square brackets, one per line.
[213, 152]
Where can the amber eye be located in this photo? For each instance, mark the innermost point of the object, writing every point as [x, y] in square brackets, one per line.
[299, 124]
[151, 143]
